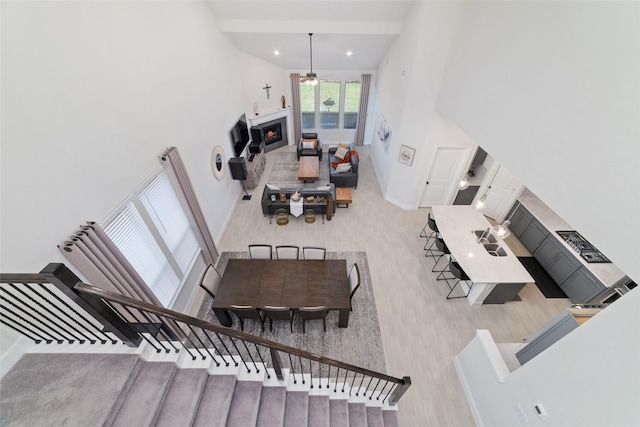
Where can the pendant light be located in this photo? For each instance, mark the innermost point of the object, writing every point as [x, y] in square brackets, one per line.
[463, 184]
[480, 203]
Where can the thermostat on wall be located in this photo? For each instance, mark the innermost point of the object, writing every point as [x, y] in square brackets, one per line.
[539, 409]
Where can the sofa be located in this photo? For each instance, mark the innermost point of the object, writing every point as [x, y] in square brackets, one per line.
[302, 150]
[343, 179]
[270, 206]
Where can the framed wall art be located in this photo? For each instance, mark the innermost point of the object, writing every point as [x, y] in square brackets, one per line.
[406, 155]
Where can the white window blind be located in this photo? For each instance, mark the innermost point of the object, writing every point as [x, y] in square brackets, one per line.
[153, 233]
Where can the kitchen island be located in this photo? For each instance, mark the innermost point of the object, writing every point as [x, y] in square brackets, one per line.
[497, 274]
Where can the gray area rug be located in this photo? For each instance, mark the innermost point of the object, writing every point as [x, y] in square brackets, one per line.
[359, 344]
[284, 173]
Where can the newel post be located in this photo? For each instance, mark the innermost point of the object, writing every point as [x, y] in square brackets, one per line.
[64, 279]
[399, 391]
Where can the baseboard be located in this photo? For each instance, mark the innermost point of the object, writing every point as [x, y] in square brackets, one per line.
[467, 392]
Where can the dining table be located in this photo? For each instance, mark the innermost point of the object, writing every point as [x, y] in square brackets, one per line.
[283, 283]
[497, 276]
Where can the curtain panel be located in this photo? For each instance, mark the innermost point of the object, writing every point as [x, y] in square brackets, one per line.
[297, 112]
[362, 110]
[93, 253]
[173, 165]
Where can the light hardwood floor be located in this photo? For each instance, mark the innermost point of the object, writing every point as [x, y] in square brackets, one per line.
[421, 330]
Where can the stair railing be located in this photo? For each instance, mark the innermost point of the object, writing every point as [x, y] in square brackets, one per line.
[169, 331]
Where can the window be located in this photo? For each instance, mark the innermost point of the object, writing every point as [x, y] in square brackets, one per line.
[332, 104]
[153, 233]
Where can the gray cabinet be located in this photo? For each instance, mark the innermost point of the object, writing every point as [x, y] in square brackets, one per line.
[556, 259]
[533, 235]
[520, 219]
[548, 335]
[582, 286]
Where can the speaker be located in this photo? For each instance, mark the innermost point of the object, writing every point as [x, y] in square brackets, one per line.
[238, 168]
[256, 135]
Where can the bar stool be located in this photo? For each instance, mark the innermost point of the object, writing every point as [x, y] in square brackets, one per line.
[432, 232]
[442, 247]
[459, 274]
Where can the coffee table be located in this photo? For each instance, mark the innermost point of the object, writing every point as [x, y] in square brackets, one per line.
[309, 168]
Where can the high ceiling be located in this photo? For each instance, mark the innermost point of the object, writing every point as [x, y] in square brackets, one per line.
[364, 27]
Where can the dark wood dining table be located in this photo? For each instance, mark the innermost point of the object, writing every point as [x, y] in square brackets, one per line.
[284, 283]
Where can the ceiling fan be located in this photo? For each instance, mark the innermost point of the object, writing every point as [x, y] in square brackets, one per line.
[311, 78]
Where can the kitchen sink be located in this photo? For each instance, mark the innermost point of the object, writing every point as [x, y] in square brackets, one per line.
[494, 249]
[488, 237]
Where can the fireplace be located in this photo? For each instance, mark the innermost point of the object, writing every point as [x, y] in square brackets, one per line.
[274, 133]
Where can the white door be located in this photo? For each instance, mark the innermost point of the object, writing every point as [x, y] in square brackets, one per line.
[501, 193]
[443, 178]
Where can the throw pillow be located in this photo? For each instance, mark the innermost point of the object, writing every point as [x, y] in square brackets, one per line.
[324, 188]
[343, 167]
[341, 152]
[272, 187]
[308, 145]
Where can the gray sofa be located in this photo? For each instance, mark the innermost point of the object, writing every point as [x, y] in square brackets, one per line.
[343, 179]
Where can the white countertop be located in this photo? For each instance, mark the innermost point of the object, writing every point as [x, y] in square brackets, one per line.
[607, 273]
[456, 225]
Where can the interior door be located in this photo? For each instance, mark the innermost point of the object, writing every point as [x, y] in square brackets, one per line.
[447, 169]
[501, 193]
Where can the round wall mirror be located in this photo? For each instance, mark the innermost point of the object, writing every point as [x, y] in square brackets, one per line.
[217, 162]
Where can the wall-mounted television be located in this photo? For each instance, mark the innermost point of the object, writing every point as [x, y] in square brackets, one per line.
[239, 135]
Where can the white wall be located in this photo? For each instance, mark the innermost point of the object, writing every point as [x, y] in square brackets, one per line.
[408, 103]
[256, 74]
[551, 90]
[92, 93]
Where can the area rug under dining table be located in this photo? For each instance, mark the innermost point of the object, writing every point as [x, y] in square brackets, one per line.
[359, 344]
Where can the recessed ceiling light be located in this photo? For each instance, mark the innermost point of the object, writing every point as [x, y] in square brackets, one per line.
[349, 53]
[276, 52]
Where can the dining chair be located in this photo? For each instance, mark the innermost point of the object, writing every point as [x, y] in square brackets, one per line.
[260, 251]
[354, 282]
[210, 281]
[247, 312]
[309, 252]
[314, 313]
[278, 313]
[287, 252]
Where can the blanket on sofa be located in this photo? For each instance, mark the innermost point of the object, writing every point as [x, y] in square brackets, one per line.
[347, 159]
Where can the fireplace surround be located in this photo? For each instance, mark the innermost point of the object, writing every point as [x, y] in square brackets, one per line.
[273, 127]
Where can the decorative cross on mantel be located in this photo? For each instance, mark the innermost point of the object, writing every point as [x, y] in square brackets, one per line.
[267, 87]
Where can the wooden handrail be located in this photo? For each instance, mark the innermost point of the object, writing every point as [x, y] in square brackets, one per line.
[86, 289]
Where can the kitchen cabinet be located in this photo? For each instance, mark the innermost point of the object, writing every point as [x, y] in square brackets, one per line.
[534, 234]
[520, 219]
[582, 286]
[556, 259]
[549, 334]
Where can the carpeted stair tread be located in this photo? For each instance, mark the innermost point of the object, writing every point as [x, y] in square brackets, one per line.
[338, 413]
[147, 391]
[271, 410]
[182, 399]
[319, 411]
[49, 386]
[374, 416]
[390, 418]
[245, 404]
[215, 401]
[296, 410]
[357, 415]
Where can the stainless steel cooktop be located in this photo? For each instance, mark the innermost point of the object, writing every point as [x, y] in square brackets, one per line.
[581, 245]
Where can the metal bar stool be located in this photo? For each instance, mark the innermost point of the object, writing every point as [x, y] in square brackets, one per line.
[429, 231]
[442, 247]
[459, 274]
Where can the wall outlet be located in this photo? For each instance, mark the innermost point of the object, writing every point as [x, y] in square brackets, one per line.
[520, 412]
[539, 409]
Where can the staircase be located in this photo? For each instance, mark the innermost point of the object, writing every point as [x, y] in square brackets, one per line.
[127, 390]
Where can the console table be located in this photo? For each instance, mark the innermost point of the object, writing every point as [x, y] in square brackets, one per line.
[254, 170]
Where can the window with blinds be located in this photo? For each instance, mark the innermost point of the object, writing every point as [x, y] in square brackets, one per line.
[152, 231]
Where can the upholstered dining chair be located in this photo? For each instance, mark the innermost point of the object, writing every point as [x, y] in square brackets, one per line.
[354, 282]
[314, 313]
[260, 251]
[309, 252]
[247, 312]
[287, 252]
[278, 313]
[210, 281]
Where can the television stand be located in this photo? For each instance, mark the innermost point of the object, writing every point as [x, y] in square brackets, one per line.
[255, 169]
